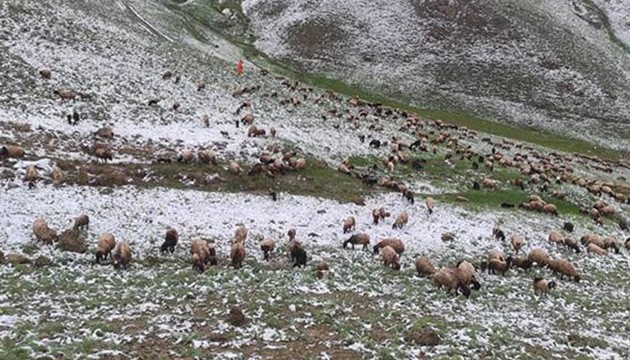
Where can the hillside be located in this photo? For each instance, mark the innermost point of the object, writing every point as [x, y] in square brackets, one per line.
[147, 84]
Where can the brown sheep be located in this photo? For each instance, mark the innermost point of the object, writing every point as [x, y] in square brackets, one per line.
[541, 286]
[12, 151]
[498, 265]
[106, 243]
[235, 168]
[607, 210]
[556, 237]
[57, 175]
[321, 269]
[590, 238]
[206, 120]
[43, 232]
[571, 244]
[627, 244]
[186, 156]
[65, 94]
[376, 216]
[358, 239]
[401, 220]
[564, 268]
[298, 253]
[496, 254]
[468, 274]
[517, 242]
[102, 151]
[291, 234]
[200, 253]
[521, 262]
[267, 245]
[81, 221]
[121, 255]
[240, 234]
[45, 73]
[592, 248]
[447, 236]
[248, 119]
[489, 183]
[237, 254]
[424, 266]
[550, 209]
[448, 278]
[390, 257]
[610, 243]
[31, 174]
[430, 204]
[349, 224]
[396, 244]
[300, 164]
[105, 132]
[170, 240]
[539, 256]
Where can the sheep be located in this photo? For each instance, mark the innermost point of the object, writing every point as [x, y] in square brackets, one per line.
[396, 244]
[300, 164]
[248, 119]
[498, 234]
[468, 274]
[498, 265]
[592, 248]
[401, 220]
[105, 132]
[448, 278]
[424, 266]
[235, 168]
[349, 224]
[207, 157]
[102, 151]
[57, 175]
[43, 232]
[200, 253]
[564, 268]
[12, 151]
[358, 239]
[556, 237]
[298, 254]
[170, 240]
[376, 216]
[571, 244]
[610, 243]
[568, 227]
[106, 243]
[81, 221]
[237, 254]
[447, 236]
[607, 210]
[390, 257]
[517, 242]
[550, 209]
[291, 234]
[409, 196]
[542, 286]
[186, 156]
[539, 256]
[206, 120]
[201, 85]
[430, 204]
[45, 73]
[267, 245]
[496, 254]
[65, 94]
[590, 238]
[121, 255]
[321, 269]
[523, 263]
[627, 244]
[31, 174]
[240, 234]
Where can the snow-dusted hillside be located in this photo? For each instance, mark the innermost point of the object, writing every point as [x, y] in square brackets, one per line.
[549, 64]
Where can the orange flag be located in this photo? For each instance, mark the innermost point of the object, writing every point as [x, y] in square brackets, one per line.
[239, 67]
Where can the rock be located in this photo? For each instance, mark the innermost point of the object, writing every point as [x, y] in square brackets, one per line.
[16, 259]
[236, 316]
[1, 257]
[423, 337]
[72, 240]
[42, 261]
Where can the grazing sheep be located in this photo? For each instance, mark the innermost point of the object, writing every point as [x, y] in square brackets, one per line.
[200, 253]
[267, 245]
[45, 73]
[237, 254]
[206, 120]
[300, 164]
[235, 168]
[43, 232]
[592, 248]
[568, 227]
[248, 119]
[121, 255]
[396, 244]
[358, 239]
[590, 238]
[556, 237]
[376, 216]
[564, 268]
[321, 269]
[349, 224]
[468, 274]
[106, 243]
[390, 257]
[447, 236]
[517, 242]
[496, 254]
[498, 234]
[170, 240]
[81, 221]
[539, 256]
[401, 220]
[542, 286]
[430, 204]
[207, 157]
[12, 151]
[102, 151]
[298, 254]
[105, 132]
[607, 210]
[523, 263]
[186, 156]
[571, 244]
[201, 85]
[424, 266]
[408, 194]
[550, 209]
[627, 244]
[610, 243]
[31, 174]
[240, 234]
[57, 175]
[65, 94]
[291, 234]
[448, 278]
[498, 265]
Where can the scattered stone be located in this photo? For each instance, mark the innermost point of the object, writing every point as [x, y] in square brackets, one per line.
[423, 337]
[42, 261]
[16, 259]
[236, 316]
